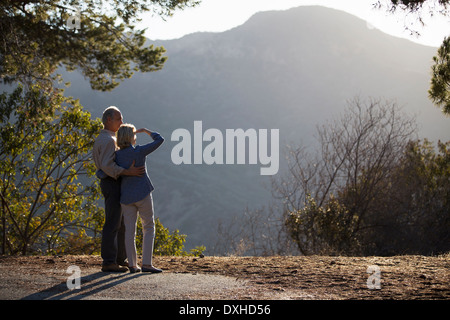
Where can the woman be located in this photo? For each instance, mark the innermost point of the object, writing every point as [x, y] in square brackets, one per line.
[136, 195]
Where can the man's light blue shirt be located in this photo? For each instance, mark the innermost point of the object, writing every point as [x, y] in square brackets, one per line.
[135, 188]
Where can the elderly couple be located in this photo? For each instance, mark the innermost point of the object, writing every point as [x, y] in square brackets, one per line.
[127, 192]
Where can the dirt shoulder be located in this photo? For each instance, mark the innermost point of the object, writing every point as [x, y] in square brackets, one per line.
[278, 277]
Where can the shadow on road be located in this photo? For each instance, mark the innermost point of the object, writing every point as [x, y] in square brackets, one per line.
[90, 285]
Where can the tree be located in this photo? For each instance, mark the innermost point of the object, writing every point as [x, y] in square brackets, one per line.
[416, 5]
[326, 229]
[328, 196]
[48, 197]
[37, 39]
[415, 8]
[372, 189]
[413, 212]
[439, 91]
[45, 148]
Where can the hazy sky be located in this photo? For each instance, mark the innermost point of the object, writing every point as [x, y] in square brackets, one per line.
[221, 15]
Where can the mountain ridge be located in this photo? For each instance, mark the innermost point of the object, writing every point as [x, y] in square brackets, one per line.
[289, 70]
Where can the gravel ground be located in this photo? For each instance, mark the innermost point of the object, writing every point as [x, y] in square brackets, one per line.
[230, 278]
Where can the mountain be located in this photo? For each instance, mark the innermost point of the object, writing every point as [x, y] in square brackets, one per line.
[288, 70]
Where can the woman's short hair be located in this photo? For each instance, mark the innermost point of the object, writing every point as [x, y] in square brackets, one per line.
[125, 135]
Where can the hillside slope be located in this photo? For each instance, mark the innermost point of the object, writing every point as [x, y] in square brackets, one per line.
[289, 70]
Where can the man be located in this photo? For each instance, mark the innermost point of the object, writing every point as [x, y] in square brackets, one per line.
[113, 234]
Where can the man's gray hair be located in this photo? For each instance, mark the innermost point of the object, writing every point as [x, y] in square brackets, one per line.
[109, 113]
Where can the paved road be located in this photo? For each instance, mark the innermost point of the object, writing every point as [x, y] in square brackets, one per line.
[94, 285]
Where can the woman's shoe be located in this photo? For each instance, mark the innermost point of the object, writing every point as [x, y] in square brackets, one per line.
[151, 269]
[134, 269]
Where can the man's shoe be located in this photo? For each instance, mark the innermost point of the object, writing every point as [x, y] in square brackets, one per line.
[113, 268]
